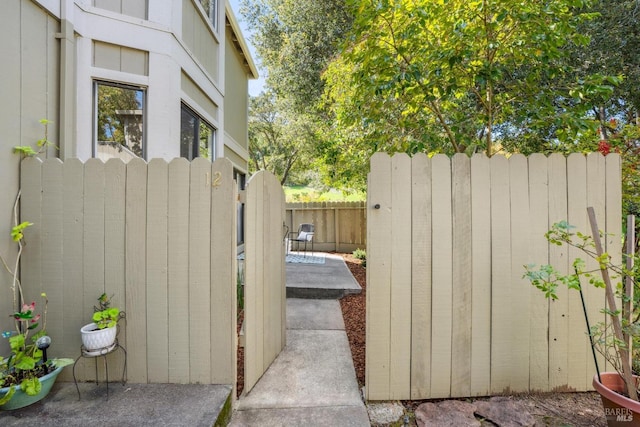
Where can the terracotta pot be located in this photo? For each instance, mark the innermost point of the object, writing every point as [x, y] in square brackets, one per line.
[619, 410]
[21, 399]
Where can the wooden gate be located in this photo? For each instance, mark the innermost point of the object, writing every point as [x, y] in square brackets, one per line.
[265, 292]
[448, 312]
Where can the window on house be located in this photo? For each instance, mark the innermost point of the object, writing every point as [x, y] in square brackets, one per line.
[211, 9]
[197, 137]
[119, 121]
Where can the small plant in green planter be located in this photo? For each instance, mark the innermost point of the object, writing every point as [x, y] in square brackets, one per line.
[26, 375]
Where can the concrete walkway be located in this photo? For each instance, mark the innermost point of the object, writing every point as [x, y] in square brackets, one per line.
[312, 382]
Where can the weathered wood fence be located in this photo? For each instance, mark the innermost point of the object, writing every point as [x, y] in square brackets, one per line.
[159, 237]
[339, 226]
[265, 291]
[448, 312]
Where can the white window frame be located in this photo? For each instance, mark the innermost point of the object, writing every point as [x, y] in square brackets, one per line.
[97, 82]
[213, 142]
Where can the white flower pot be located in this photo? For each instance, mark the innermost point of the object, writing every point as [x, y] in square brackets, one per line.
[94, 339]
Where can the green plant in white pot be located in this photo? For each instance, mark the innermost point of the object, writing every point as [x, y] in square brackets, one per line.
[99, 337]
[613, 339]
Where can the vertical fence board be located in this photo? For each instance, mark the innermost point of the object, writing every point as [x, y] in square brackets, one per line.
[462, 290]
[199, 279]
[441, 327]
[223, 282]
[378, 278]
[520, 255]
[596, 198]
[157, 251]
[421, 277]
[558, 257]
[400, 327]
[501, 295]
[73, 262]
[135, 247]
[613, 223]
[114, 246]
[93, 241]
[577, 217]
[481, 275]
[178, 274]
[51, 244]
[31, 210]
[539, 253]
[253, 296]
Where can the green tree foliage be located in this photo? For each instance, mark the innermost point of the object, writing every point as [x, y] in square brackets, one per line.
[294, 40]
[280, 141]
[435, 75]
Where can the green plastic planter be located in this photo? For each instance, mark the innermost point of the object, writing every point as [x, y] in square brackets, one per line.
[22, 399]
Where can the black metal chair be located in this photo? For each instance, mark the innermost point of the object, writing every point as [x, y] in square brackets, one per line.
[304, 235]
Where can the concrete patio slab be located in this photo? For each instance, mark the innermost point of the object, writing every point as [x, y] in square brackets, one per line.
[332, 279]
[150, 405]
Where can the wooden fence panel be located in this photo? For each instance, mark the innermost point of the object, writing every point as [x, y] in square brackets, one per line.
[539, 252]
[577, 216]
[520, 255]
[160, 239]
[178, 275]
[265, 304]
[501, 293]
[480, 275]
[441, 293]
[157, 252]
[558, 257]
[461, 264]
[379, 279]
[477, 327]
[340, 226]
[400, 328]
[421, 279]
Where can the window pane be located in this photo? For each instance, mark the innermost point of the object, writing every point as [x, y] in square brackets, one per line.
[188, 133]
[120, 127]
[197, 137]
[206, 140]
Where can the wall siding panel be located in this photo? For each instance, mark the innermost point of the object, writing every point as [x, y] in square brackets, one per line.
[477, 327]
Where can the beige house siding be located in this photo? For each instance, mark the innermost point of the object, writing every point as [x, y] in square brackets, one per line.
[120, 58]
[133, 8]
[198, 36]
[236, 81]
[29, 92]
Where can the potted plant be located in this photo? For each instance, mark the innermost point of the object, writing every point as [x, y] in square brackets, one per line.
[613, 339]
[26, 375]
[99, 337]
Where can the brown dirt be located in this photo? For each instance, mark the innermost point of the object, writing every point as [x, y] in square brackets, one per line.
[549, 409]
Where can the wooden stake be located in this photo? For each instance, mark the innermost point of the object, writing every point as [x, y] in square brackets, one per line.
[611, 301]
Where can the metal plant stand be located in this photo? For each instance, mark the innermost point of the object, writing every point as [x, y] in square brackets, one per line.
[102, 352]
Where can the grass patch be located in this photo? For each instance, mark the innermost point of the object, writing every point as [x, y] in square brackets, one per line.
[300, 193]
